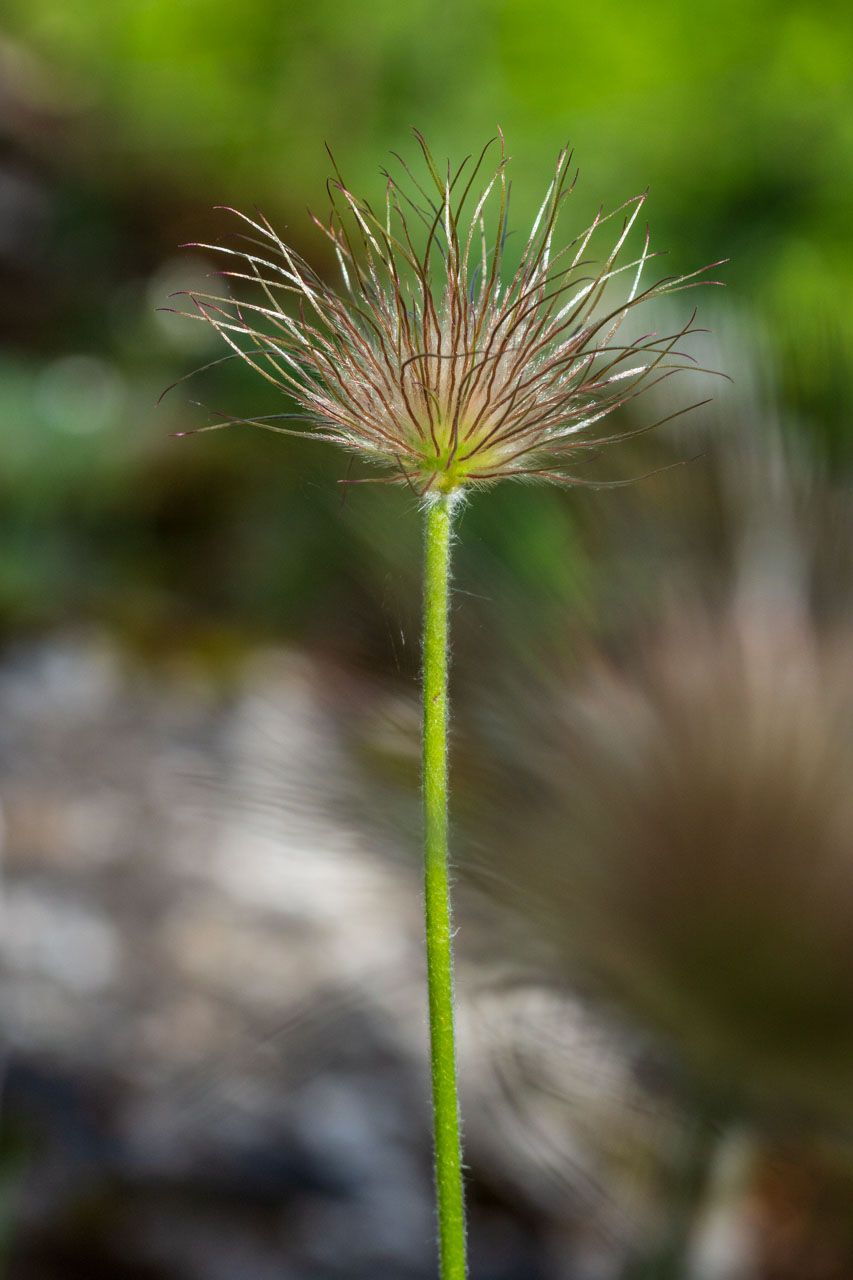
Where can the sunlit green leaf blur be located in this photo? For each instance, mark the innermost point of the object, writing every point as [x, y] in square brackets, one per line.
[124, 123]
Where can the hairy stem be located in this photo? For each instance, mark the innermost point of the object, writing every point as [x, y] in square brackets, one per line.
[448, 1152]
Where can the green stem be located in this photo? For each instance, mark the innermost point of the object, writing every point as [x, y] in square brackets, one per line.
[448, 1151]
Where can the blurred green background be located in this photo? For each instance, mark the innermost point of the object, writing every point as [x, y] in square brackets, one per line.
[124, 122]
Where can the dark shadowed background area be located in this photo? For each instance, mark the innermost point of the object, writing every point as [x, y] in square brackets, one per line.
[213, 1014]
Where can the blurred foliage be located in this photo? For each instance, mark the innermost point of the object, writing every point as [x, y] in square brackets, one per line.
[124, 122]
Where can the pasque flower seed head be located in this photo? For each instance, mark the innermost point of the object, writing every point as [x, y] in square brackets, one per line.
[427, 360]
[450, 365]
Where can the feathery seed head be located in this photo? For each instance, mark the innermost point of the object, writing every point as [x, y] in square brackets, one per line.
[427, 360]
